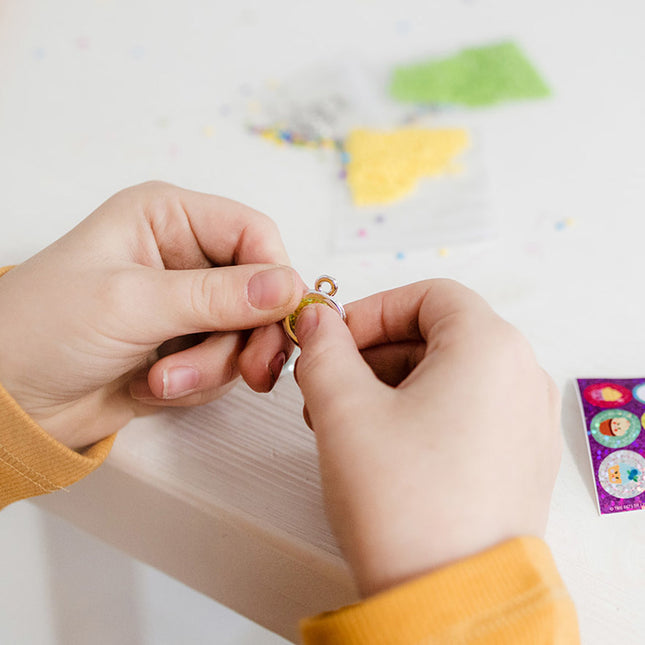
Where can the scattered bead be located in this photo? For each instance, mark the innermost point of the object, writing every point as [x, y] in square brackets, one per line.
[282, 135]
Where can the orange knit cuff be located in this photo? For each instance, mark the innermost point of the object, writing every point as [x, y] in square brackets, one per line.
[34, 463]
[498, 596]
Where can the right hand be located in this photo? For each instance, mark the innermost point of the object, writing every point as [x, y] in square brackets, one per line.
[437, 430]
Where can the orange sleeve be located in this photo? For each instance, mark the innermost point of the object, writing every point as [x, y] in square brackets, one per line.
[509, 594]
[34, 463]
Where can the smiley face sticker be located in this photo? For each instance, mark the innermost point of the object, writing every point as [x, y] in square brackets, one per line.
[615, 428]
[622, 474]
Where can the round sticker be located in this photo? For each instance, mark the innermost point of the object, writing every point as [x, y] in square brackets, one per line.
[615, 428]
[608, 395]
[639, 392]
[622, 474]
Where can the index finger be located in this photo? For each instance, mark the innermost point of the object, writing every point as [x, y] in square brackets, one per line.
[411, 312]
[231, 232]
[193, 230]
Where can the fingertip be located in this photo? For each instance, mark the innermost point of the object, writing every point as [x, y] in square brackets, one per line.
[167, 382]
[276, 365]
[306, 324]
[316, 321]
[263, 358]
[330, 367]
[272, 288]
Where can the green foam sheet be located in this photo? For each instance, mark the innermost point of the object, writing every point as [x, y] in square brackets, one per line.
[473, 77]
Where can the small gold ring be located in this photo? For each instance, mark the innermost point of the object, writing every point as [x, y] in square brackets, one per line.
[316, 295]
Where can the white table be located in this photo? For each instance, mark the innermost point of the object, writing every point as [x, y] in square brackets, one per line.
[97, 96]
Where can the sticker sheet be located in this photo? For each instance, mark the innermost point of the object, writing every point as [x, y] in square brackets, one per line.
[614, 415]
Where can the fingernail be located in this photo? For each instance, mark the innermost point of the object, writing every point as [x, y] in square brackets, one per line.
[178, 381]
[306, 323]
[271, 288]
[276, 365]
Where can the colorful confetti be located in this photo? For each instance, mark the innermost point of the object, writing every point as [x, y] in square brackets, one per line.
[564, 224]
[285, 136]
[82, 42]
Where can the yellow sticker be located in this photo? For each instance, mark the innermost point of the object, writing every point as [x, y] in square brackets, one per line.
[610, 394]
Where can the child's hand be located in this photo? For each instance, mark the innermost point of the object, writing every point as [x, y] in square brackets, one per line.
[440, 441]
[94, 328]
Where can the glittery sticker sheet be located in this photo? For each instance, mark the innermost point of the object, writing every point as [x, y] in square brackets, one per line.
[614, 413]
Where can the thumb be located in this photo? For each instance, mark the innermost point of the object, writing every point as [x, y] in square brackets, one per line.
[331, 372]
[229, 298]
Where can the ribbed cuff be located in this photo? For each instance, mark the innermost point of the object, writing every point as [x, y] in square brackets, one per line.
[34, 463]
[511, 593]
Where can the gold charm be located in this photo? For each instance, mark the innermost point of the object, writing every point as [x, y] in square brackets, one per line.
[314, 295]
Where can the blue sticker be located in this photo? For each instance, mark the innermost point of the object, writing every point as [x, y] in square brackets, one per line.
[639, 392]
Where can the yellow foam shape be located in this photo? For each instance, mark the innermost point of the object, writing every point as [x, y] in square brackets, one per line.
[385, 166]
[610, 394]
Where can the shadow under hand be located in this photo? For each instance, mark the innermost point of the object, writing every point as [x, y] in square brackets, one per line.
[574, 430]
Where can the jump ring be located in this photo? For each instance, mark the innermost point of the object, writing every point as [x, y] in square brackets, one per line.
[316, 295]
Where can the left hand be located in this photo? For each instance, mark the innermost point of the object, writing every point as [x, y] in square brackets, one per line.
[150, 301]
